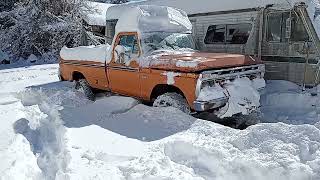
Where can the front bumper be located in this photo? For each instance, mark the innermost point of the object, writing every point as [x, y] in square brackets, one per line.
[201, 106]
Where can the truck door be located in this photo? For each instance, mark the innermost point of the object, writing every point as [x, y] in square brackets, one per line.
[123, 70]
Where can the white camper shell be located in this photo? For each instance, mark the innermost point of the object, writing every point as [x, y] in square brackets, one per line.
[284, 33]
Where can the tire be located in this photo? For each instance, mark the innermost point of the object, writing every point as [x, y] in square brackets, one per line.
[83, 86]
[172, 100]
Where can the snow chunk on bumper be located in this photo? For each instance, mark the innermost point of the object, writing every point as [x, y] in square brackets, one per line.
[240, 96]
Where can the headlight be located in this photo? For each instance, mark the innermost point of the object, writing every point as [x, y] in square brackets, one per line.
[207, 84]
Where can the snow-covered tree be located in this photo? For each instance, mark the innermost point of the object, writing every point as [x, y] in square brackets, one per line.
[112, 1]
[6, 5]
[40, 27]
[118, 1]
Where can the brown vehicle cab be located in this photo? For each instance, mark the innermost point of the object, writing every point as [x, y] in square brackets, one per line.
[160, 67]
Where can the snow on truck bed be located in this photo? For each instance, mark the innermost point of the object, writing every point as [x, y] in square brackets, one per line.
[86, 53]
[50, 131]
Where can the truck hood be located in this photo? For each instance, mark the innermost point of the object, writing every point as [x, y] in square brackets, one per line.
[199, 61]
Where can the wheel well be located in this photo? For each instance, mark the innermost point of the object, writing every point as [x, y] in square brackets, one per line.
[162, 89]
[76, 76]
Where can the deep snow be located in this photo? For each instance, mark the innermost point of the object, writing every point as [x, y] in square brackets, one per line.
[50, 131]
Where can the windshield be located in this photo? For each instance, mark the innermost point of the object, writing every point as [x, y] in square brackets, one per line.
[153, 42]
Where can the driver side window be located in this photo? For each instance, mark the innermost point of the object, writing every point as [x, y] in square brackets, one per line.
[127, 48]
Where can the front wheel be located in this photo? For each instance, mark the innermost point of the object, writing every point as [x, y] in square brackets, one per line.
[83, 86]
[172, 100]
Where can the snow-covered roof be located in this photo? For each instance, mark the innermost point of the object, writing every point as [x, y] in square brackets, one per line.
[97, 13]
[153, 18]
[206, 6]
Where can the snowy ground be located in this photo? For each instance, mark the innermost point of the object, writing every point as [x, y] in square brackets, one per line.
[49, 131]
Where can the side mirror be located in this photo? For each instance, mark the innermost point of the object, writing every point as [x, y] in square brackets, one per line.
[119, 53]
[288, 28]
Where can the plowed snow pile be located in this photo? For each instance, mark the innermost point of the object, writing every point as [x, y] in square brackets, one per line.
[49, 131]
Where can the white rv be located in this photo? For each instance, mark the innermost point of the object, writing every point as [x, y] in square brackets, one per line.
[284, 33]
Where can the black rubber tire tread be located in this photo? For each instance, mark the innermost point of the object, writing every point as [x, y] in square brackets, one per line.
[172, 99]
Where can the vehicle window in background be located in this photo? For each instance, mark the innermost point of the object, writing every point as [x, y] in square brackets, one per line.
[215, 34]
[229, 34]
[276, 30]
[238, 33]
[299, 32]
[274, 25]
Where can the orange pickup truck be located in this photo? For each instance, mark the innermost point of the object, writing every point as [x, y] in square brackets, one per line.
[157, 64]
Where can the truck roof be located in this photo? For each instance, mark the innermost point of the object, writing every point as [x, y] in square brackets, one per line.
[207, 6]
[149, 18]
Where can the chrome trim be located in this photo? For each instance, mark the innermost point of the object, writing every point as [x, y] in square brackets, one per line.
[123, 68]
[84, 64]
[207, 105]
[258, 69]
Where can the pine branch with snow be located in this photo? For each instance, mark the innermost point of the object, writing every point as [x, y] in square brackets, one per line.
[40, 27]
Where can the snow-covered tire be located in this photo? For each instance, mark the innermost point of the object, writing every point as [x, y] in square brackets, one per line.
[172, 100]
[83, 86]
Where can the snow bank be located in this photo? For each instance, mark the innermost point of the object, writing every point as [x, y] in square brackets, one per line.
[86, 53]
[286, 102]
[145, 19]
[261, 152]
[53, 132]
[197, 150]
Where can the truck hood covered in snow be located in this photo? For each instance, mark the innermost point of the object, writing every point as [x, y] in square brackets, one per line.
[198, 61]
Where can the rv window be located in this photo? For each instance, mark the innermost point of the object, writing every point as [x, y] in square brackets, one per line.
[110, 28]
[215, 34]
[299, 33]
[274, 27]
[238, 33]
[230, 34]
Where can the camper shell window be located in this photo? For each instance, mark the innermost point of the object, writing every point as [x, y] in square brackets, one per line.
[110, 29]
[277, 24]
[228, 34]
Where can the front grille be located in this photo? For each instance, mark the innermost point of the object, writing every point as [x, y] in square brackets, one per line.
[232, 73]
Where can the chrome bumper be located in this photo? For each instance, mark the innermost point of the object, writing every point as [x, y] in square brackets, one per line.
[201, 106]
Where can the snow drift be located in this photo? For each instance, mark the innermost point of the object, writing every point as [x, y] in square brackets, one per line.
[51, 131]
